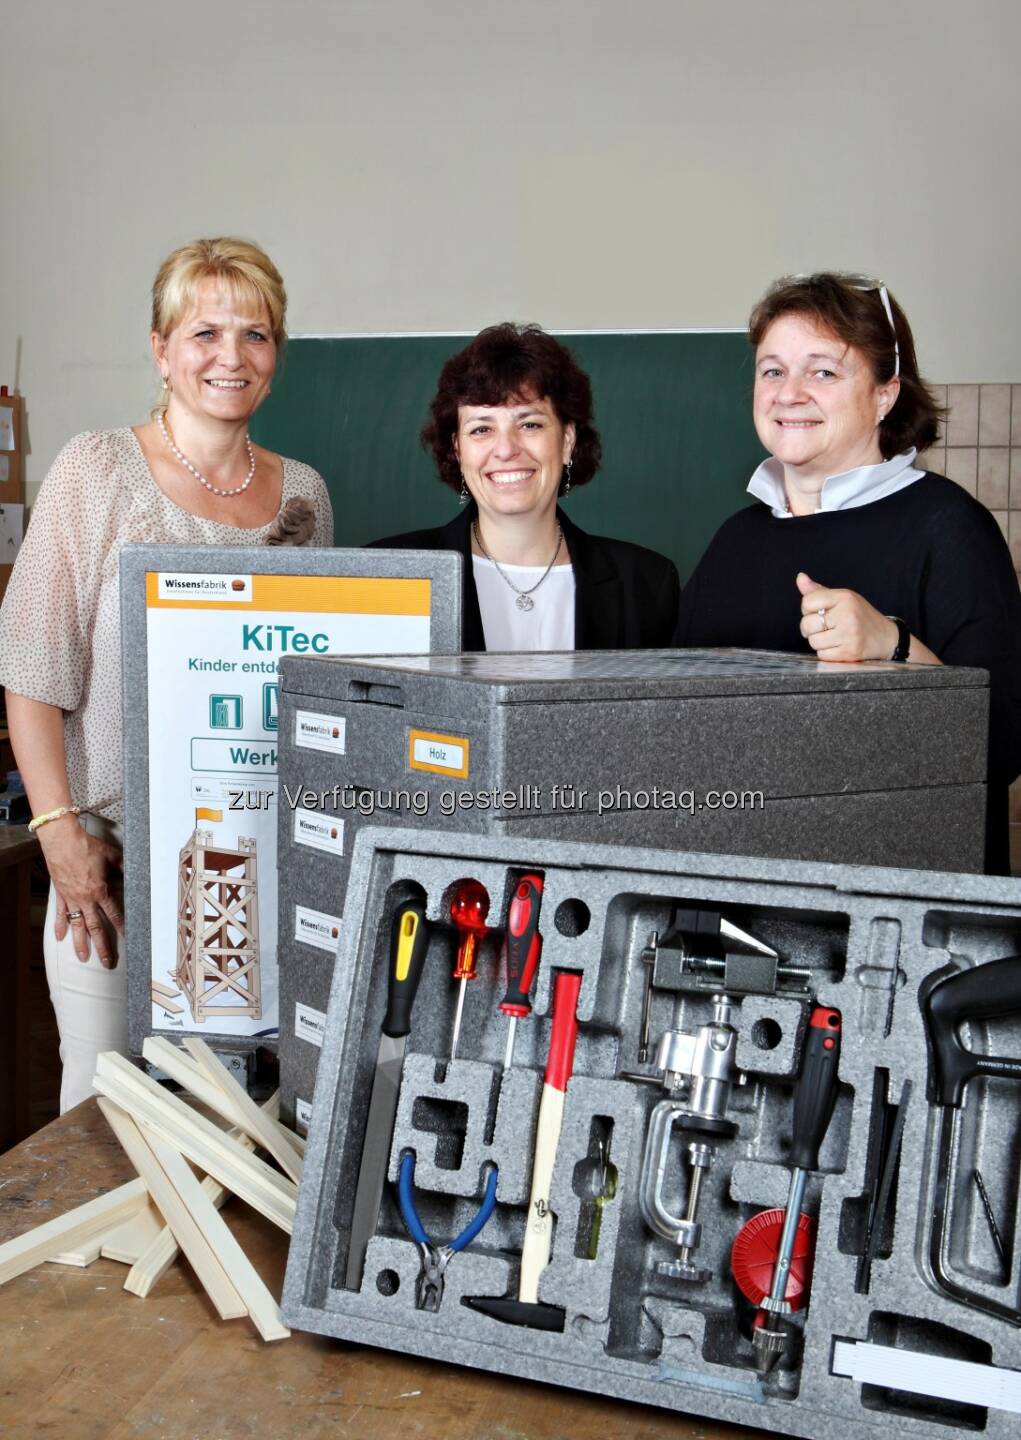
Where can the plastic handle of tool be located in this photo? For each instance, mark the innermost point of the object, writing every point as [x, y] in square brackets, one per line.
[523, 945]
[486, 1209]
[982, 992]
[816, 1092]
[560, 1061]
[467, 955]
[409, 940]
[405, 1191]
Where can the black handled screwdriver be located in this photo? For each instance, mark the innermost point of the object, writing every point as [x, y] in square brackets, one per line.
[814, 1098]
[409, 941]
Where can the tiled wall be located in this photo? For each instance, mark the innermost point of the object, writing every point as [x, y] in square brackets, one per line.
[981, 450]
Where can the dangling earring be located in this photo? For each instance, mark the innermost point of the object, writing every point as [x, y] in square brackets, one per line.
[462, 499]
[166, 382]
[565, 489]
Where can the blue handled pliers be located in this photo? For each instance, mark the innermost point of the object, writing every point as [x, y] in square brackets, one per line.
[436, 1258]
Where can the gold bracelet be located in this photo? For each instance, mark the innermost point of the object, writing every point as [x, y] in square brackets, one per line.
[57, 814]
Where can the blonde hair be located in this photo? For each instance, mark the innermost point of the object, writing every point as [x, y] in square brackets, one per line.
[248, 272]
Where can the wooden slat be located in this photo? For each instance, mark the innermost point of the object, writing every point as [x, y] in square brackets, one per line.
[130, 1240]
[180, 1066]
[244, 1278]
[82, 1255]
[161, 1254]
[67, 1232]
[148, 1157]
[269, 1192]
[264, 1131]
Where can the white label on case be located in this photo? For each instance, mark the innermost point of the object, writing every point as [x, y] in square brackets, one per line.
[302, 1113]
[319, 732]
[321, 832]
[312, 927]
[309, 1024]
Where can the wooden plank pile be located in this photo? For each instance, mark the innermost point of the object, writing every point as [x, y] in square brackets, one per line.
[168, 1210]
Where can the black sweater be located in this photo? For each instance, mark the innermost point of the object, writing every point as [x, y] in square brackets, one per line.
[929, 553]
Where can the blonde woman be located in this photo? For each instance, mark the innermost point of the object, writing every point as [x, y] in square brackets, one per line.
[190, 475]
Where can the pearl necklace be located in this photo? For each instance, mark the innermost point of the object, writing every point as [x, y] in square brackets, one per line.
[524, 599]
[161, 422]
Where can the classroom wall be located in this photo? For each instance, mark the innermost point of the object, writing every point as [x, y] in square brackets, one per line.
[436, 166]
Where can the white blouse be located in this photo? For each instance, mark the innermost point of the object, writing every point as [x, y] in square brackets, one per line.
[549, 625]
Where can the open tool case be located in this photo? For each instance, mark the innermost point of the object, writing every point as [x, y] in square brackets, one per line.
[617, 1194]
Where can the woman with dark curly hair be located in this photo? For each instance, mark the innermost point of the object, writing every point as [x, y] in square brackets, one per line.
[511, 430]
[854, 549]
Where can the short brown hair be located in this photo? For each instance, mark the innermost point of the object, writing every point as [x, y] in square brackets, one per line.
[247, 271]
[850, 306]
[513, 362]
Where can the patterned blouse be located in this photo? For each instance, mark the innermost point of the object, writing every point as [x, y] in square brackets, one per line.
[60, 622]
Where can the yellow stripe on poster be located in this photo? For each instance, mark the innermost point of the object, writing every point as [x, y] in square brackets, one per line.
[312, 594]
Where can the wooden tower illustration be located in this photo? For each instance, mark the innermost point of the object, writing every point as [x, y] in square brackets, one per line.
[218, 925]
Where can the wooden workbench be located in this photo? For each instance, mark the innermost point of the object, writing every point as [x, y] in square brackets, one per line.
[83, 1360]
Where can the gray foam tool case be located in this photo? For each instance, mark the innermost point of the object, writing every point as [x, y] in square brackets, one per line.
[633, 1242]
[442, 571]
[873, 763]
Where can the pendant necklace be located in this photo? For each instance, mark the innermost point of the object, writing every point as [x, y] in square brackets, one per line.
[524, 600]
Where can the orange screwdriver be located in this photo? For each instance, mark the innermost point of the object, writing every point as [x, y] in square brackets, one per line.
[468, 910]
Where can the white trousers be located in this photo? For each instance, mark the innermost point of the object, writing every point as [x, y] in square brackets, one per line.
[89, 1001]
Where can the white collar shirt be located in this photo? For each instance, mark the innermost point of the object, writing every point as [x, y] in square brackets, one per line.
[845, 491]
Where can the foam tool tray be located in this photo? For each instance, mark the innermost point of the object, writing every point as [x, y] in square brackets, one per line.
[754, 1152]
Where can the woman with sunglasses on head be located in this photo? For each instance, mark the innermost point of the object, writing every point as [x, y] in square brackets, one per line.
[854, 550]
[511, 430]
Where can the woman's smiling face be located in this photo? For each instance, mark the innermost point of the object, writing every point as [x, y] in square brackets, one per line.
[512, 455]
[816, 405]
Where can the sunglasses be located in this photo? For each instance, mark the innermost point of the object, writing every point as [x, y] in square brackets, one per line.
[865, 282]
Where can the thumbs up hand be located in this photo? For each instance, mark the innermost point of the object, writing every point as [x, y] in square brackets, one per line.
[841, 624]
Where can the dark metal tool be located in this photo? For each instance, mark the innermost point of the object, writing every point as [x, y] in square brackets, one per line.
[814, 1098]
[888, 1132]
[409, 941]
[703, 950]
[983, 992]
[436, 1258]
[995, 1234]
[599, 1186]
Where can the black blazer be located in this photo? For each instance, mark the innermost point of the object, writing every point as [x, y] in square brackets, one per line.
[625, 596]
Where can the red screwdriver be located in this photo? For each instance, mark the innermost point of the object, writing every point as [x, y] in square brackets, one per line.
[468, 910]
[522, 947]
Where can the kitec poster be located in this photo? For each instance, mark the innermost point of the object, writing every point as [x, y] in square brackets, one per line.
[213, 643]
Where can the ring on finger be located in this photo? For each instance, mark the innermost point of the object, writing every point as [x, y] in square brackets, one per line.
[73, 915]
[823, 623]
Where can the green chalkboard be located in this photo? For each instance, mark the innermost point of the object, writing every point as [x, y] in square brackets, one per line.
[674, 412]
